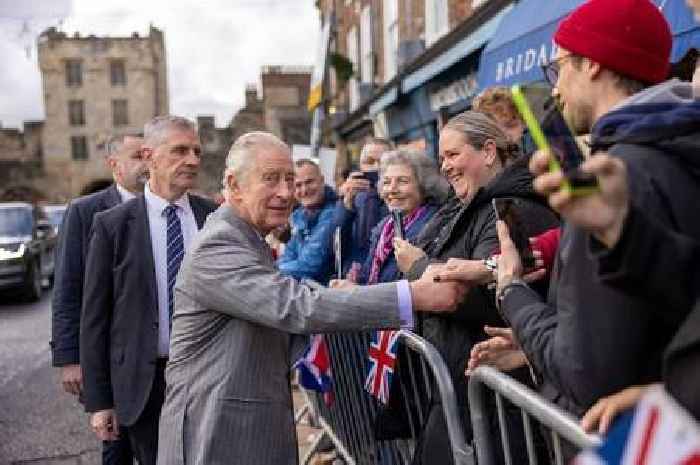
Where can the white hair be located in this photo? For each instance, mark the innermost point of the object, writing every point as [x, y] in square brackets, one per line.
[244, 152]
[155, 131]
[433, 187]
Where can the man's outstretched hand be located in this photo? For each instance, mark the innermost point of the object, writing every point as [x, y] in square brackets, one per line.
[437, 297]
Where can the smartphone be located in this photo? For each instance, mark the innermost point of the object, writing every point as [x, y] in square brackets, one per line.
[550, 131]
[509, 210]
[399, 233]
[371, 176]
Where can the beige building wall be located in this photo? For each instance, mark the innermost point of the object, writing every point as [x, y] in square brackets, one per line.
[145, 91]
[285, 92]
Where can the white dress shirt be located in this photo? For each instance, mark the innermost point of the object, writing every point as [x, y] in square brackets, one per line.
[124, 194]
[158, 223]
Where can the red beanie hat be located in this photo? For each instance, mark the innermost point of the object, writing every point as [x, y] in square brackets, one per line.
[630, 37]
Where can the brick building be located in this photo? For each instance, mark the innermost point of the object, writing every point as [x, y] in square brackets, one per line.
[94, 87]
[399, 67]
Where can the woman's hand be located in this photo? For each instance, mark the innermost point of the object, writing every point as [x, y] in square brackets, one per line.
[501, 351]
[471, 271]
[406, 254]
[606, 409]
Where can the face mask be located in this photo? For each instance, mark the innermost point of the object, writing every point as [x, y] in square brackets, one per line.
[372, 177]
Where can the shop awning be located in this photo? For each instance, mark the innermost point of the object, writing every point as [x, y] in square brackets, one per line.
[686, 31]
[467, 45]
[523, 41]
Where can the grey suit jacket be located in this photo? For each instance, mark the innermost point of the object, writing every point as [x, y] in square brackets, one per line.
[228, 397]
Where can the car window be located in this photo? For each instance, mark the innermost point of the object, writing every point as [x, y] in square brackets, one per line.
[55, 217]
[15, 221]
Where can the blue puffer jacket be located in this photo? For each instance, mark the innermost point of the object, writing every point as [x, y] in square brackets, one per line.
[390, 271]
[356, 226]
[309, 253]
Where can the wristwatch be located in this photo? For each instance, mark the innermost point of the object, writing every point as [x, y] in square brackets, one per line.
[490, 263]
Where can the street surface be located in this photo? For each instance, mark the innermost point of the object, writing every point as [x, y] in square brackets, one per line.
[39, 423]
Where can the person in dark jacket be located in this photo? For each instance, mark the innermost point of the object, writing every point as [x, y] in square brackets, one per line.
[478, 161]
[130, 173]
[308, 254]
[410, 182]
[655, 133]
[360, 208]
[636, 253]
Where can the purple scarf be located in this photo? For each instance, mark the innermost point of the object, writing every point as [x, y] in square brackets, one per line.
[385, 244]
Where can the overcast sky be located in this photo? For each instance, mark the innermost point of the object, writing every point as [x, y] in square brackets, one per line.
[214, 47]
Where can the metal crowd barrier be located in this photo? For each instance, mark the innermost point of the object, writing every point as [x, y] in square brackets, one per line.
[559, 423]
[349, 422]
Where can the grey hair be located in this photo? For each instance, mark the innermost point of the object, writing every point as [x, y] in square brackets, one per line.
[155, 131]
[433, 187]
[243, 153]
[478, 128]
[115, 142]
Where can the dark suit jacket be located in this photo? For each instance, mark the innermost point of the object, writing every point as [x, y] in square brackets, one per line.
[119, 325]
[70, 271]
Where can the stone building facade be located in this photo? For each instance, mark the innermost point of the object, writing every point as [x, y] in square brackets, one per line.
[21, 162]
[285, 93]
[251, 117]
[94, 87]
[215, 144]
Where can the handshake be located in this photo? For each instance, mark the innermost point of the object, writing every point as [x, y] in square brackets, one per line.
[428, 294]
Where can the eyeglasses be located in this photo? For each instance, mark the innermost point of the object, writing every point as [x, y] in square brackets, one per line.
[551, 70]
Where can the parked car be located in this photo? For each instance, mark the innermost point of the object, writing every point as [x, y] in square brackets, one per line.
[55, 213]
[27, 243]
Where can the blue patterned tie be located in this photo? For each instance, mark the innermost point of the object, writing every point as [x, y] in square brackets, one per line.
[176, 250]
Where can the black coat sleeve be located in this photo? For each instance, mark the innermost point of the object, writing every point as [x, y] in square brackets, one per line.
[97, 319]
[68, 289]
[641, 261]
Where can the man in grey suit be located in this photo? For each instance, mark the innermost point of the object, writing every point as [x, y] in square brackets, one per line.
[228, 397]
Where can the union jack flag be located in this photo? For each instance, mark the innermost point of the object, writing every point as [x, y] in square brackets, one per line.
[315, 369]
[382, 357]
[657, 432]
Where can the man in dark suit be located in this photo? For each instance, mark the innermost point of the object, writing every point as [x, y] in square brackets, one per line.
[125, 160]
[134, 254]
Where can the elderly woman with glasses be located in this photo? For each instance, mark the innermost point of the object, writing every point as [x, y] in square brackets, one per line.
[409, 181]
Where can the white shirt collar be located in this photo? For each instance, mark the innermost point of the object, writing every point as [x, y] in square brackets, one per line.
[159, 203]
[124, 194]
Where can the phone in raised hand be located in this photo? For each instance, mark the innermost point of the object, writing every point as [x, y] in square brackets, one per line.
[509, 211]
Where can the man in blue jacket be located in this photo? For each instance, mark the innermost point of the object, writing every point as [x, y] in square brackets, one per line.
[308, 254]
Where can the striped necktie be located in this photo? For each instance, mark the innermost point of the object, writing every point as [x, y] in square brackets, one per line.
[176, 250]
